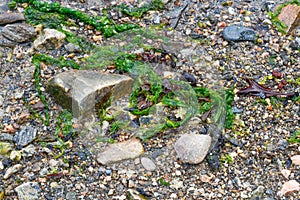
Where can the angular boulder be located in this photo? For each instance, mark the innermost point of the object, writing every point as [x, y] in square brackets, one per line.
[83, 90]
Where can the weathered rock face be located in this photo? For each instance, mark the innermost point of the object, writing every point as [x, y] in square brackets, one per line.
[192, 148]
[7, 18]
[120, 151]
[50, 39]
[82, 90]
[18, 32]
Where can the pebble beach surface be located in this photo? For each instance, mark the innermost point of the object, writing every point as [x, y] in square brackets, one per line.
[257, 160]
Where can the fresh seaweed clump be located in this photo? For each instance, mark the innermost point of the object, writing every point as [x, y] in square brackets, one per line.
[52, 15]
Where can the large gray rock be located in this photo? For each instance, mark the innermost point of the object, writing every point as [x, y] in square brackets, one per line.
[18, 32]
[7, 18]
[120, 151]
[82, 90]
[49, 39]
[28, 191]
[192, 148]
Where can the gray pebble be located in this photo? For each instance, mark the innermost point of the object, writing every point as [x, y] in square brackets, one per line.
[148, 164]
[238, 33]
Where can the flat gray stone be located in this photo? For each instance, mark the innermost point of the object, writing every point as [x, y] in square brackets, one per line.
[238, 33]
[192, 148]
[83, 90]
[49, 39]
[121, 151]
[7, 18]
[25, 136]
[148, 164]
[28, 191]
[18, 32]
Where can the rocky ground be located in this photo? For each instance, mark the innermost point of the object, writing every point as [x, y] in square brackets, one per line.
[257, 159]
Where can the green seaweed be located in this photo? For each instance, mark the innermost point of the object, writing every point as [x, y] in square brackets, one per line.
[151, 94]
[295, 137]
[139, 11]
[229, 98]
[163, 182]
[126, 62]
[64, 123]
[54, 16]
[36, 62]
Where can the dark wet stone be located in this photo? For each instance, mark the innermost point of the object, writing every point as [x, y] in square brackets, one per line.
[25, 136]
[190, 78]
[238, 33]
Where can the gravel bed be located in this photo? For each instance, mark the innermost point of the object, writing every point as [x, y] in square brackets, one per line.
[258, 144]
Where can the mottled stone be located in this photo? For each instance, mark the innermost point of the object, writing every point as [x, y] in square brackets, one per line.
[72, 48]
[18, 32]
[28, 151]
[49, 39]
[7, 18]
[192, 148]
[71, 196]
[25, 136]
[83, 90]
[148, 164]
[257, 193]
[28, 191]
[120, 151]
[290, 16]
[238, 33]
